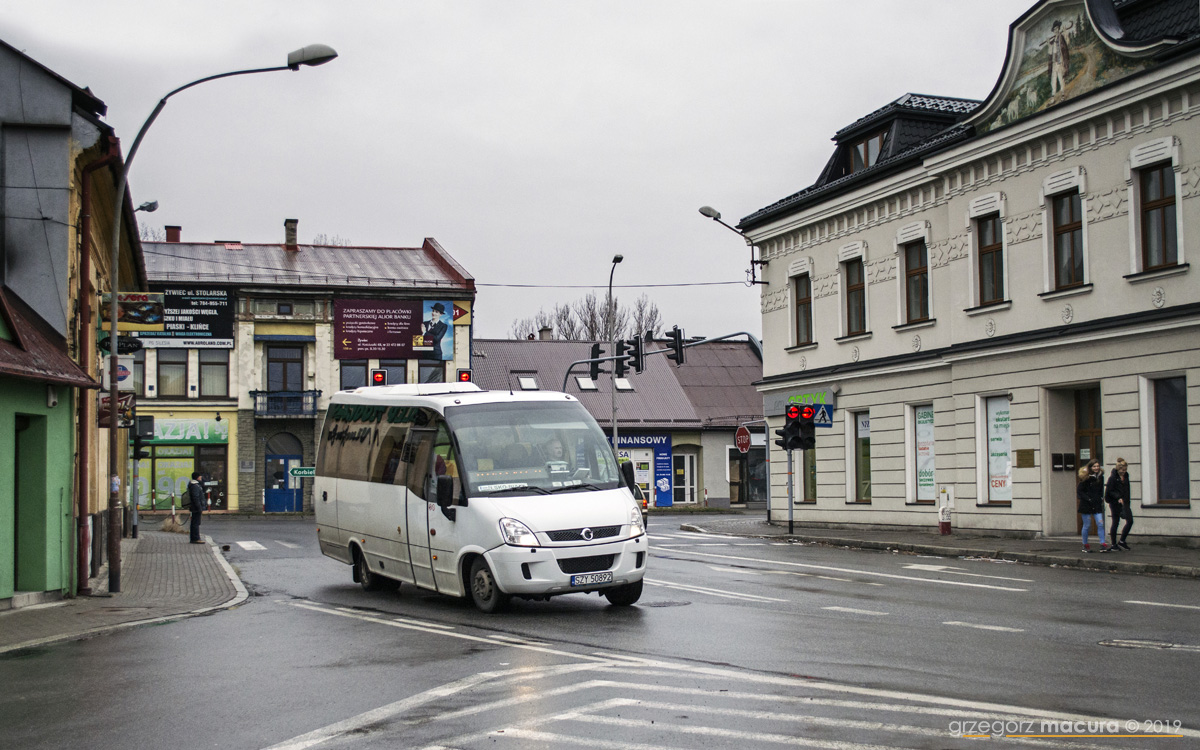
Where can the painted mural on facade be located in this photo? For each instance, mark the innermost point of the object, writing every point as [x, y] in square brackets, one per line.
[1062, 58]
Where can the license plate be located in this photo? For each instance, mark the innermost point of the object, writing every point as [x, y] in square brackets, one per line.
[591, 579]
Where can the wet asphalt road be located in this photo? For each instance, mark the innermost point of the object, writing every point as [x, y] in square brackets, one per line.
[735, 643]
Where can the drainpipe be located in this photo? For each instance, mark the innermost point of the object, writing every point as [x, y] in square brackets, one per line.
[84, 336]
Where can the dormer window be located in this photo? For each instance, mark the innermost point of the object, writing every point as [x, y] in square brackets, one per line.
[866, 152]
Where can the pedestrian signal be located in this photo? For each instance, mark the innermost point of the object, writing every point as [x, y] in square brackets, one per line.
[378, 377]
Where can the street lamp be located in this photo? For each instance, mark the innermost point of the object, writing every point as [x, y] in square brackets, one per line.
[612, 336]
[312, 55]
[715, 215]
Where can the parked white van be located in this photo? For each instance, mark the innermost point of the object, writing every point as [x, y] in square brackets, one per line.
[491, 494]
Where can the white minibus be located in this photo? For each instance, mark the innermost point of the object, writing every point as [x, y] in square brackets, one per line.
[487, 494]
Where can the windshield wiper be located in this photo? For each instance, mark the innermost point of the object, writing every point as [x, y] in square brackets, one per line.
[537, 490]
[581, 486]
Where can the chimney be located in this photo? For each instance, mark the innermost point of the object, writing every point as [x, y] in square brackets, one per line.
[289, 234]
[545, 333]
[173, 233]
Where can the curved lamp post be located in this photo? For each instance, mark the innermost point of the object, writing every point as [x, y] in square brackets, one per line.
[612, 336]
[313, 54]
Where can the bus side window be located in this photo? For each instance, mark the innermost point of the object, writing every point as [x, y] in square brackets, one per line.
[418, 452]
[445, 463]
[387, 460]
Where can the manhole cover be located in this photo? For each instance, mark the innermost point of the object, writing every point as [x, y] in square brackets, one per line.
[664, 604]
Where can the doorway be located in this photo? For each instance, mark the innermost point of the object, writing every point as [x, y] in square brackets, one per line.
[29, 516]
[684, 489]
[283, 492]
[1089, 433]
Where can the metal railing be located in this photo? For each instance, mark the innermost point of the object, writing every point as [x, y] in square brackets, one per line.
[285, 403]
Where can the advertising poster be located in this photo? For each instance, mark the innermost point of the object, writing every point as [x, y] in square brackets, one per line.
[136, 311]
[375, 328]
[193, 318]
[125, 403]
[999, 448]
[436, 340]
[926, 489]
[661, 468]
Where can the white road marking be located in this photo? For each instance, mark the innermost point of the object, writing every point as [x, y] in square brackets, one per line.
[825, 578]
[1151, 644]
[999, 628]
[960, 572]
[289, 545]
[713, 592]
[732, 569]
[852, 571]
[1164, 604]
[853, 611]
[250, 545]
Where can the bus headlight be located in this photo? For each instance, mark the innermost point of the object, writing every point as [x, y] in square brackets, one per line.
[516, 533]
[635, 522]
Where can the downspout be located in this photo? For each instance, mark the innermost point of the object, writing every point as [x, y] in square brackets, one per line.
[85, 329]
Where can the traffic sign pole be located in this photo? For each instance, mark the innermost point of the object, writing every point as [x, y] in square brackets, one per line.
[791, 490]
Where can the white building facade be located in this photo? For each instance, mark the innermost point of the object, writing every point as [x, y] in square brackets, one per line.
[983, 296]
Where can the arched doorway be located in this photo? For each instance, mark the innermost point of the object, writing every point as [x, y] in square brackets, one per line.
[284, 493]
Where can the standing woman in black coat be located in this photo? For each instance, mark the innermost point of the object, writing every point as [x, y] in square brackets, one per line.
[1090, 493]
[1117, 495]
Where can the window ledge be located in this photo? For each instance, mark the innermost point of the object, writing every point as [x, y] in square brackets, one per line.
[1068, 292]
[993, 505]
[989, 307]
[1157, 273]
[854, 337]
[1166, 506]
[915, 324]
[801, 347]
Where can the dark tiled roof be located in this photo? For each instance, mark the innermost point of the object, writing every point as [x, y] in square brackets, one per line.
[717, 379]
[914, 103]
[1150, 20]
[310, 265]
[37, 352]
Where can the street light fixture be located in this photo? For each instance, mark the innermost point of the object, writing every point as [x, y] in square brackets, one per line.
[312, 55]
[715, 215]
[612, 336]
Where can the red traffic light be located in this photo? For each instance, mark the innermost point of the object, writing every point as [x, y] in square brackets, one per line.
[793, 411]
[464, 376]
[808, 412]
[378, 377]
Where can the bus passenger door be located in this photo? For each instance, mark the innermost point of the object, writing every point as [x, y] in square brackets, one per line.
[444, 537]
[418, 455]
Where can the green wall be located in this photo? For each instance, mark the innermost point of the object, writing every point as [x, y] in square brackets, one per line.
[36, 538]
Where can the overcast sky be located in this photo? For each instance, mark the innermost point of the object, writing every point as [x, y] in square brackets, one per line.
[533, 140]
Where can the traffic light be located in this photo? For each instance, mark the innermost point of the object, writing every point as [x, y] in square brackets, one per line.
[140, 449]
[789, 436]
[379, 377]
[675, 343]
[622, 361]
[594, 368]
[807, 429]
[464, 376]
[637, 353]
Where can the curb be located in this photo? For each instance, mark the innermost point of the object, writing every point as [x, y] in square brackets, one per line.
[240, 596]
[1032, 558]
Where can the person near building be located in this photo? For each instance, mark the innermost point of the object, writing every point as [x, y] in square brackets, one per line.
[1117, 495]
[1090, 493]
[196, 504]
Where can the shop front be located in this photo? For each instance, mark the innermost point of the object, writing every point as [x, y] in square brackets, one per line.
[652, 465]
[180, 447]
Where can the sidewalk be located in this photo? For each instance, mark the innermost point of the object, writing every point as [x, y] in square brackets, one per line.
[1146, 557]
[163, 578]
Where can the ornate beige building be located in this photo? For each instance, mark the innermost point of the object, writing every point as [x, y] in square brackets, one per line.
[983, 295]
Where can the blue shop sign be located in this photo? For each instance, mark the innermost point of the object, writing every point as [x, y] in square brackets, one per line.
[661, 445]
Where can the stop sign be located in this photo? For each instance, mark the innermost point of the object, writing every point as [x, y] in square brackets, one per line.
[742, 439]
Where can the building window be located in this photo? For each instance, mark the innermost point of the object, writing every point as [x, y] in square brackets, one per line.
[139, 371]
[866, 152]
[283, 308]
[1160, 243]
[924, 453]
[862, 457]
[214, 373]
[1067, 219]
[856, 297]
[916, 282]
[172, 372]
[998, 451]
[802, 289]
[1170, 436]
[808, 473]
[284, 368]
[991, 259]
[397, 370]
[354, 374]
[432, 372]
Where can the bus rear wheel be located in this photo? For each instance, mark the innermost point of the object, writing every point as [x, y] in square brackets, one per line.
[368, 580]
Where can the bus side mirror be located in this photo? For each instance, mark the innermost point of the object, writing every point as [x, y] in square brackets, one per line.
[628, 478]
[445, 491]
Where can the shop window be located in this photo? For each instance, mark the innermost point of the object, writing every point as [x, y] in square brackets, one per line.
[172, 373]
[862, 457]
[997, 452]
[214, 373]
[923, 487]
[354, 374]
[808, 474]
[1169, 435]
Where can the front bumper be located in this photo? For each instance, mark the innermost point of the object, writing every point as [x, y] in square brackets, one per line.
[535, 571]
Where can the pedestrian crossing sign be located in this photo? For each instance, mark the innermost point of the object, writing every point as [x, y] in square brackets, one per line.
[823, 417]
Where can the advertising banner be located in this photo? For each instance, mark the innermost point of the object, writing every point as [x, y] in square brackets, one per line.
[193, 318]
[661, 445]
[125, 403]
[999, 449]
[136, 311]
[926, 490]
[392, 329]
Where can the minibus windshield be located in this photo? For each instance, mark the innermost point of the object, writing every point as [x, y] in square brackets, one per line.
[537, 447]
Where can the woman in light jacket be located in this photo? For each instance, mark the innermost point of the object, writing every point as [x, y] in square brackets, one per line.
[1117, 495]
[1090, 493]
